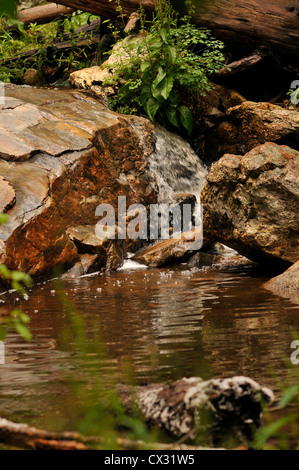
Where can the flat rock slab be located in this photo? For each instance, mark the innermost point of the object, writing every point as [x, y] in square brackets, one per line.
[48, 121]
[63, 154]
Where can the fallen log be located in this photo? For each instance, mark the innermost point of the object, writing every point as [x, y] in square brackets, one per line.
[44, 14]
[25, 437]
[232, 404]
[243, 25]
[240, 65]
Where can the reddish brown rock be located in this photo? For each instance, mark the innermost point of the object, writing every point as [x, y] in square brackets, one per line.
[69, 156]
[170, 251]
[251, 124]
[251, 203]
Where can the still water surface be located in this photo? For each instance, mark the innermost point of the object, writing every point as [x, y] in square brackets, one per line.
[168, 323]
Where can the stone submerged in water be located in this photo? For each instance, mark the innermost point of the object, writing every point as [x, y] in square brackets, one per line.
[251, 203]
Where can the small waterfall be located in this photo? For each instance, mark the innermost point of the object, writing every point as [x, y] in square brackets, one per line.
[176, 166]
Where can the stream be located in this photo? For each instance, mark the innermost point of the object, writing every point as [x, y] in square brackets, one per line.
[166, 323]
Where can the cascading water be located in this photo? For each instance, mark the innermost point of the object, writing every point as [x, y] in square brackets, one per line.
[176, 166]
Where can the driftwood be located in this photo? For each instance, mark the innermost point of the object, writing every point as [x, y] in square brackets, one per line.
[240, 65]
[243, 24]
[176, 408]
[234, 403]
[44, 14]
[25, 437]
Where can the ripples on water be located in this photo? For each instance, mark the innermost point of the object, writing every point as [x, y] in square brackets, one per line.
[168, 323]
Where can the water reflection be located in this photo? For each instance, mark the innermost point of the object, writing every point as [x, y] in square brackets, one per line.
[168, 323]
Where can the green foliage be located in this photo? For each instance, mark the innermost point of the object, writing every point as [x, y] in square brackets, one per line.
[17, 40]
[153, 68]
[281, 430]
[18, 280]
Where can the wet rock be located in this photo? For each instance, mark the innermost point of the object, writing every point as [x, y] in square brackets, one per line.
[286, 284]
[64, 153]
[251, 124]
[251, 203]
[170, 251]
[201, 260]
[110, 250]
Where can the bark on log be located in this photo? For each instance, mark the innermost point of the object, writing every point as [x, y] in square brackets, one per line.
[243, 24]
[108, 9]
[44, 14]
[234, 402]
[25, 437]
[231, 403]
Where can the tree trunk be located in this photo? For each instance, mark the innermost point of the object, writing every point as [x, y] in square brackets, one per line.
[242, 24]
[108, 9]
[247, 24]
[44, 14]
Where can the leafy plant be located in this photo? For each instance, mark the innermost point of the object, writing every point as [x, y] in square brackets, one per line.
[17, 40]
[281, 431]
[153, 67]
[18, 280]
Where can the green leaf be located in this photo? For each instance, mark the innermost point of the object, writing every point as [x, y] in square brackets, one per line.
[164, 88]
[186, 118]
[288, 396]
[152, 107]
[9, 7]
[160, 76]
[23, 331]
[172, 52]
[173, 116]
[164, 34]
[144, 66]
[4, 271]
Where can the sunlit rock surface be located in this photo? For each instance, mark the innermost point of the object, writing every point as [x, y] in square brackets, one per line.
[62, 153]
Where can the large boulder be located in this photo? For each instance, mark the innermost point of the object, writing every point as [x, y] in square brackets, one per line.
[286, 284]
[62, 154]
[251, 203]
[250, 124]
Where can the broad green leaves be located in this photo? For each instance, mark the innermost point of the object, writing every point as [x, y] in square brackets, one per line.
[172, 55]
